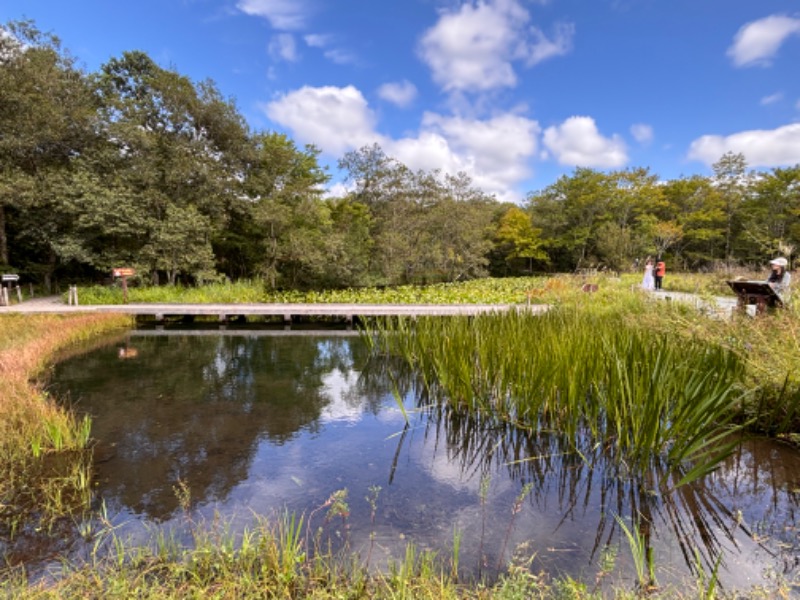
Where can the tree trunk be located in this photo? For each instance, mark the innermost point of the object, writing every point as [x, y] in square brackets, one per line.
[3, 237]
[51, 269]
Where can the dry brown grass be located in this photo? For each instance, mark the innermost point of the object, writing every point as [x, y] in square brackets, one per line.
[26, 343]
[32, 425]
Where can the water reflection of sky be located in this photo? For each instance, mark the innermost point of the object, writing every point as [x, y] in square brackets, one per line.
[260, 425]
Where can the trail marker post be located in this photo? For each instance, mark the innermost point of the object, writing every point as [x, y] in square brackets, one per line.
[124, 273]
[6, 281]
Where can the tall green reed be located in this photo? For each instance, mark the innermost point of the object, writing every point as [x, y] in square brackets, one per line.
[643, 395]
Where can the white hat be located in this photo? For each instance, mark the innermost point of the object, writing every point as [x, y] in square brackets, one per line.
[781, 262]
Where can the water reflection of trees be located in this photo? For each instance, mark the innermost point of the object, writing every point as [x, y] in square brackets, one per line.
[194, 409]
[587, 480]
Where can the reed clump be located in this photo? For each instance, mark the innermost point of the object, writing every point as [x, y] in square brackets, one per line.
[590, 373]
[44, 464]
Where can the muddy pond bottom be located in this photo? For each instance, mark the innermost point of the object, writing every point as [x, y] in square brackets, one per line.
[193, 428]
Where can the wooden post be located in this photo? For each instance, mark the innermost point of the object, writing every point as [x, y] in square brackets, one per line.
[3, 296]
[72, 295]
[30, 289]
[19, 294]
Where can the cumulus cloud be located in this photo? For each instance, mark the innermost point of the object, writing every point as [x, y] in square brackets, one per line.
[473, 48]
[400, 93]
[335, 119]
[495, 152]
[642, 133]
[283, 47]
[761, 147]
[285, 15]
[757, 42]
[577, 142]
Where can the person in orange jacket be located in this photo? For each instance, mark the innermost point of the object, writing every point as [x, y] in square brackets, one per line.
[659, 272]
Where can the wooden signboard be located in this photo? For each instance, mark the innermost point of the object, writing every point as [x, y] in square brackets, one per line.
[759, 293]
[124, 273]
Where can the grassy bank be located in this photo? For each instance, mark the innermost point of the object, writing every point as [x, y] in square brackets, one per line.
[272, 560]
[44, 468]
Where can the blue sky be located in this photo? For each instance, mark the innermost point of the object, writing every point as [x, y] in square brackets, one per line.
[513, 92]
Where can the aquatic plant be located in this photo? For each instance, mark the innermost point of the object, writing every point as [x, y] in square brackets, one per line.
[586, 374]
[642, 555]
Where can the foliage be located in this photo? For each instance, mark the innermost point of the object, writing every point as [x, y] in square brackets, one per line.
[588, 372]
[513, 290]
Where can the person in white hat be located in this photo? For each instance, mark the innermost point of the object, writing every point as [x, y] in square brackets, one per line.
[780, 279]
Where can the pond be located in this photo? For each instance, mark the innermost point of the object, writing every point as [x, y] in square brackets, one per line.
[232, 425]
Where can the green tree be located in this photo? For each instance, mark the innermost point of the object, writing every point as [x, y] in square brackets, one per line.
[284, 186]
[392, 193]
[349, 244]
[517, 240]
[770, 216]
[732, 182]
[179, 150]
[47, 119]
[695, 206]
[569, 212]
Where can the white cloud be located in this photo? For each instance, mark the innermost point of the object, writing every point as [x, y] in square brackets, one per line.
[501, 144]
[472, 49]
[282, 14]
[400, 93]
[577, 142]
[544, 48]
[340, 56]
[335, 119]
[762, 148]
[283, 47]
[642, 133]
[772, 99]
[317, 40]
[335, 55]
[757, 42]
[495, 152]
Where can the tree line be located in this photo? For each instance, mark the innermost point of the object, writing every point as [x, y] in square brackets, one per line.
[136, 165]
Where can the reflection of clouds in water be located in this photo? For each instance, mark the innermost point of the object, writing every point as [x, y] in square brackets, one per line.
[345, 402]
[445, 466]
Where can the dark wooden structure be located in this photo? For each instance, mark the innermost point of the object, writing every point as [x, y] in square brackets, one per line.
[759, 293]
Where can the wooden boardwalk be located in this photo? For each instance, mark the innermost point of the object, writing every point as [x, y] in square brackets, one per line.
[286, 312]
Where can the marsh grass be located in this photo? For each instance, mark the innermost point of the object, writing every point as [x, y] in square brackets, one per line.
[583, 372]
[768, 347]
[45, 466]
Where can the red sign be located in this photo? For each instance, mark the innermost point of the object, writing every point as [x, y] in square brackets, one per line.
[124, 272]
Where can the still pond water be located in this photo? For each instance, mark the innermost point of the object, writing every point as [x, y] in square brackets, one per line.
[260, 422]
